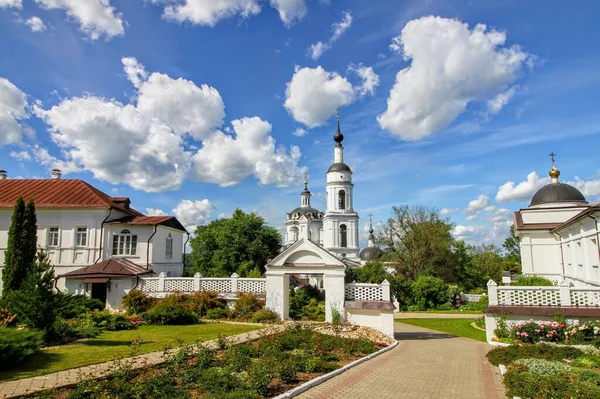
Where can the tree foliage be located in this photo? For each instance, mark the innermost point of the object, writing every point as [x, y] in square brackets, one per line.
[512, 250]
[12, 274]
[241, 244]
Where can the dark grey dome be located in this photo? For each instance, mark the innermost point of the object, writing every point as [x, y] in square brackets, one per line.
[305, 210]
[556, 193]
[339, 167]
[370, 253]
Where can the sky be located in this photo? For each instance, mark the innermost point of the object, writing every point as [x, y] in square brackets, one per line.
[198, 107]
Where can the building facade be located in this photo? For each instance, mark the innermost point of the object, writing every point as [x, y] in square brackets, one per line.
[82, 229]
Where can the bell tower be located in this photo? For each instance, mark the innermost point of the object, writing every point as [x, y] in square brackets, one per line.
[340, 223]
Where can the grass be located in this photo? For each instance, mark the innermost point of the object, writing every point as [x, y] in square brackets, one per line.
[447, 311]
[117, 343]
[458, 327]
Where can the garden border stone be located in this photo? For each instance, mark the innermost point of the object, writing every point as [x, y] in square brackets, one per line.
[321, 379]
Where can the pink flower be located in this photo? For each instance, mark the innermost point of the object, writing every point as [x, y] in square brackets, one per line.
[524, 334]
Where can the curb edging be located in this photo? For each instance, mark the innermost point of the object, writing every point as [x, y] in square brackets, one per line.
[321, 379]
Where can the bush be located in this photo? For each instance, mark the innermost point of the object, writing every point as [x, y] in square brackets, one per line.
[582, 333]
[136, 302]
[203, 301]
[287, 371]
[245, 305]
[528, 281]
[511, 353]
[542, 366]
[217, 313]
[7, 319]
[429, 292]
[69, 306]
[16, 345]
[532, 332]
[259, 376]
[307, 303]
[478, 306]
[170, 313]
[264, 316]
[106, 320]
[587, 362]
[236, 359]
[529, 385]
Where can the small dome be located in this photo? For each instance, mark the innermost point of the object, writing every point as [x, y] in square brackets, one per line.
[305, 210]
[339, 167]
[370, 253]
[557, 193]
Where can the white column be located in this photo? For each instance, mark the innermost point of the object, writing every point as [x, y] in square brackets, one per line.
[234, 282]
[161, 282]
[278, 294]
[338, 154]
[492, 292]
[565, 293]
[385, 285]
[197, 282]
[334, 286]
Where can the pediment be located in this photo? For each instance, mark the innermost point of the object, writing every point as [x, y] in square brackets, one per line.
[305, 253]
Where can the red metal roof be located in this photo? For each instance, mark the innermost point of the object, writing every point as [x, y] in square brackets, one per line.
[57, 193]
[169, 221]
[108, 268]
[520, 226]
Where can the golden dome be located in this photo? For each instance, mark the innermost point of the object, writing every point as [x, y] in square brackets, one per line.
[554, 173]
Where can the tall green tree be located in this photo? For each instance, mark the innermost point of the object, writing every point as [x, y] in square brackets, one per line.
[419, 239]
[14, 271]
[242, 244]
[512, 252]
[488, 261]
[29, 236]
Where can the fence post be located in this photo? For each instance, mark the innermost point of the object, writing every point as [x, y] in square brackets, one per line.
[385, 288]
[234, 282]
[197, 282]
[161, 282]
[565, 293]
[492, 292]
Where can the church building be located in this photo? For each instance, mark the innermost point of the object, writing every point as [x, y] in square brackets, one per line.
[558, 234]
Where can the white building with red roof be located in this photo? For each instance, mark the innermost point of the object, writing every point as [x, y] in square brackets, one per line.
[99, 245]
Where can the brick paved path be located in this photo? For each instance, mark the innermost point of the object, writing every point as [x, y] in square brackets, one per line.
[17, 388]
[425, 364]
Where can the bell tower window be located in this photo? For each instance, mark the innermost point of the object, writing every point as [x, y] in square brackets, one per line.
[342, 199]
[343, 236]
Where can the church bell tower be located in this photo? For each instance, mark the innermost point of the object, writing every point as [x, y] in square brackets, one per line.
[340, 222]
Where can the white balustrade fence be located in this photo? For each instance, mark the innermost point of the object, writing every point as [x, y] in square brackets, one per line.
[561, 295]
[368, 292]
[162, 283]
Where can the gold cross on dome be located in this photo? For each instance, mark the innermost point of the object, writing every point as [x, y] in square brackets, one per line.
[552, 155]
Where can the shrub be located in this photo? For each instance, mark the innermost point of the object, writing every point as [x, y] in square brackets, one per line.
[429, 292]
[531, 332]
[16, 345]
[259, 376]
[529, 385]
[501, 330]
[136, 302]
[511, 353]
[587, 362]
[170, 313]
[69, 306]
[106, 320]
[245, 305]
[236, 359]
[542, 366]
[528, 281]
[478, 306]
[219, 380]
[217, 313]
[204, 356]
[203, 301]
[287, 371]
[307, 303]
[480, 322]
[264, 316]
[7, 319]
[583, 332]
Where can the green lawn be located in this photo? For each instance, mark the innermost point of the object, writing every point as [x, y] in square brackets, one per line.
[112, 343]
[458, 327]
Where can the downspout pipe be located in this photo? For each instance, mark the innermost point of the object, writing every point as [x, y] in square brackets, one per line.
[148, 248]
[102, 232]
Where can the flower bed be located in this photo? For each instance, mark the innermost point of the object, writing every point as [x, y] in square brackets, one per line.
[263, 368]
[531, 332]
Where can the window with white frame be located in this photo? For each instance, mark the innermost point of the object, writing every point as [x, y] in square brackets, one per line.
[81, 234]
[124, 243]
[169, 247]
[53, 236]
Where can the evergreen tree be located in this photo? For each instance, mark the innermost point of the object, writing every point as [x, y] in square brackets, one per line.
[512, 250]
[29, 238]
[34, 302]
[13, 273]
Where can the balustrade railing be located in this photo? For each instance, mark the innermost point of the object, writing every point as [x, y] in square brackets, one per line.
[162, 283]
[561, 295]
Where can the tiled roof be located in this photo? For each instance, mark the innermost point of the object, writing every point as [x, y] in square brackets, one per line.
[169, 221]
[108, 268]
[519, 225]
[57, 193]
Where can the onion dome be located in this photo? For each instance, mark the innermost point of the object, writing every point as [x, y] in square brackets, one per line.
[557, 192]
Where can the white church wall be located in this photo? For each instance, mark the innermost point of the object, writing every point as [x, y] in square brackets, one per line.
[381, 320]
[542, 215]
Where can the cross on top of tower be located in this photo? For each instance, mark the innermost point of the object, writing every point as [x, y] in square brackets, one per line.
[370, 215]
[306, 180]
[552, 155]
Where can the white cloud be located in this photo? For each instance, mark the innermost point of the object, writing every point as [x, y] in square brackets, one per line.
[476, 206]
[337, 30]
[522, 191]
[469, 233]
[155, 212]
[11, 3]
[207, 12]
[20, 156]
[299, 132]
[43, 157]
[145, 143]
[36, 24]
[451, 65]
[369, 77]
[290, 11]
[495, 104]
[95, 17]
[447, 211]
[314, 94]
[13, 108]
[501, 215]
[193, 213]
[226, 160]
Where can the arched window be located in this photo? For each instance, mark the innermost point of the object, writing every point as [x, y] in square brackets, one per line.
[343, 236]
[169, 247]
[342, 199]
[294, 231]
[124, 243]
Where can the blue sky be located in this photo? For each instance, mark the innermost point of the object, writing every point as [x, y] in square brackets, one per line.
[192, 110]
